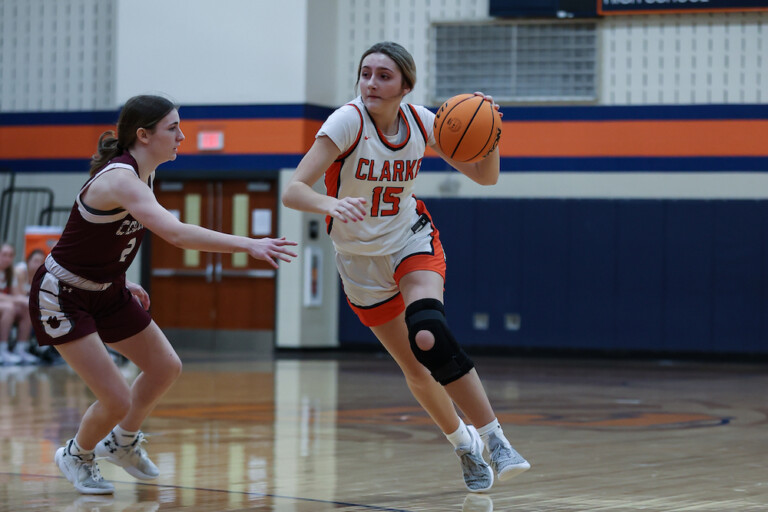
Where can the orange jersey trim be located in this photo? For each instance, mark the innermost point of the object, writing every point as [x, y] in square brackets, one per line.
[419, 123]
[333, 173]
[380, 313]
[383, 138]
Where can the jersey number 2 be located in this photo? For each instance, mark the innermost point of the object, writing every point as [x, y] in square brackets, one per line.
[386, 195]
[128, 249]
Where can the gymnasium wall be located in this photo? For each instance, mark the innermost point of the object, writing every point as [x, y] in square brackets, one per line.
[81, 55]
[635, 223]
[634, 275]
[230, 52]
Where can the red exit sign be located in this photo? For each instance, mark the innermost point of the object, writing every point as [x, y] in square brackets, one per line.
[210, 141]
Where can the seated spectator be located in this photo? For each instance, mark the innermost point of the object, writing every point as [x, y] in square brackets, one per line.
[25, 270]
[14, 309]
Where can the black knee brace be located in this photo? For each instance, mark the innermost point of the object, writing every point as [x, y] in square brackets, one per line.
[446, 361]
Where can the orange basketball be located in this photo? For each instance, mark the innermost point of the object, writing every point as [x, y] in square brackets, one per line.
[467, 128]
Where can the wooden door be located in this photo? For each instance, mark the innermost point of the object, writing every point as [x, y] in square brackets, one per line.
[199, 290]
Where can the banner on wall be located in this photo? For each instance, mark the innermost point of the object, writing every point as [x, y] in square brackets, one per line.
[607, 7]
[41, 238]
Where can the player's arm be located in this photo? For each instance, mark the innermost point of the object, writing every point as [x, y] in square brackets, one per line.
[139, 293]
[484, 172]
[123, 188]
[300, 195]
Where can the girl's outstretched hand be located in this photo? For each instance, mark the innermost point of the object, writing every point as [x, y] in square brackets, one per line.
[271, 250]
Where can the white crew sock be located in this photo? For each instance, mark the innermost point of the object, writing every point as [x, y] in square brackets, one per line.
[492, 428]
[124, 437]
[74, 449]
[461, 436]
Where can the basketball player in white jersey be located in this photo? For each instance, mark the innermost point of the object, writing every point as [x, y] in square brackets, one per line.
[389, 255]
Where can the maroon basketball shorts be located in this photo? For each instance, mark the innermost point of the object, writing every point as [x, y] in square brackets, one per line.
[61, 312]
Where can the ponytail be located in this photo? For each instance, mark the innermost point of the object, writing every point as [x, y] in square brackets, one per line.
[143, 111]
[108, 148]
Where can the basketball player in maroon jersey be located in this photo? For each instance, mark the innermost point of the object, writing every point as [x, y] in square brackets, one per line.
[81, 298]
[389, 255]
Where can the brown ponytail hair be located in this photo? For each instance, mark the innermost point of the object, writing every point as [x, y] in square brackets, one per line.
[143, 111]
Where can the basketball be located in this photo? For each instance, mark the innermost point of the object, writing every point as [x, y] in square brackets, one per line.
[467, 128]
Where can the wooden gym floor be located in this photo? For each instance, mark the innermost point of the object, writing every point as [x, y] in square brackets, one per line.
[342, 433]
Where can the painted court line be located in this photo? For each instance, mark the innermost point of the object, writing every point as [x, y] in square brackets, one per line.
[245, 493]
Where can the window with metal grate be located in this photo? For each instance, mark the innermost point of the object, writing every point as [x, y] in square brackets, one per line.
[516, 62]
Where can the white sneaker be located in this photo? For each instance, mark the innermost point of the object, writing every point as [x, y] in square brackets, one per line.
[505, 459]
[82, 471]
[478, 475]
[133, 458]
[8, 357]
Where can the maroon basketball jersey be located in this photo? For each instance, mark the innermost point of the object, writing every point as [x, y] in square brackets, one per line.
[100, 245]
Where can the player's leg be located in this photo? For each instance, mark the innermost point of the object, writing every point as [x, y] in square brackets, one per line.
[160, 366]
[467, 443]
[393, 335]
[373, 295]
[436, 348]
[59, 320]
[90, 360]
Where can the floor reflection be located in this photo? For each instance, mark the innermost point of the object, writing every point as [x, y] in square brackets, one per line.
[232, 435]
[108, 504]
[477, 503]
[343, 434]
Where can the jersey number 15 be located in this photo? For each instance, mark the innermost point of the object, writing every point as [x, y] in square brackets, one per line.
[387, 196]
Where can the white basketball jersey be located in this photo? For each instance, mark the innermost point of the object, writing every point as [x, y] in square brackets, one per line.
[380, 169]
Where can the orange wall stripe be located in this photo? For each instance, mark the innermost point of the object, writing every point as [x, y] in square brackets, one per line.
[245, 136]
[241, 136]
[659, 138]
[50, 141]
[635, 138]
